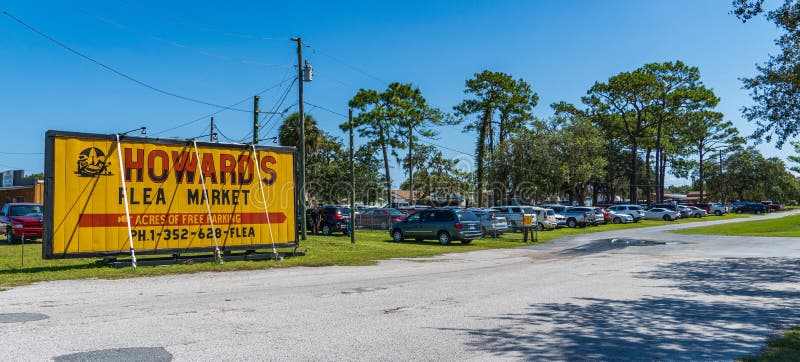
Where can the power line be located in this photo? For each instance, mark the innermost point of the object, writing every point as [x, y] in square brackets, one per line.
[283, 118]
[346, 64]
[275, 110]
[203, 28]
[173, 43]
[327, 110]
[115, 71]
[219, 111]
[224, 136]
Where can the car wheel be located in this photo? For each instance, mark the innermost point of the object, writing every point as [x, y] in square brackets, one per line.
[326, 230]
[718, 213]
[397, 235]
[698, 215]
[738, 211]
[466, 241]
[666, 218]
[572, 223]
[539, 227]
[513, 226]
[444, 238]
[758, 212]
[617, 220]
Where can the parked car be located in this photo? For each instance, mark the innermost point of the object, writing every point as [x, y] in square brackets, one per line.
[380, 219]
[620, 218]
[601, 216]
[545, 218]
[491, 223]
[21, 219]
[697, 212]
[331, 219]
[684, 210]
[559, 210]
[754, 207]
[634, 211]
[672, 207]
[443, 225]
[772, 206]
[408, 210]
[659, 213]
[513, 215]
[579, 216]
[715, 208]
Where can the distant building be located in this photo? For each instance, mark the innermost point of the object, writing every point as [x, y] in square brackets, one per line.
[15, 187]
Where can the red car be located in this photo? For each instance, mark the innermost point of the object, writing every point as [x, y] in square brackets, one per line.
[18, 219]
[772, 206]
[381, 219]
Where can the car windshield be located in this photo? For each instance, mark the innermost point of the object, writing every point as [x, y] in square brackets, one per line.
[466, 216]
[527, 210]
[551, 212]
[634, 207]
[26, 210]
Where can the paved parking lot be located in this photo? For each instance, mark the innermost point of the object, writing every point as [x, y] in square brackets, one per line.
[605, 295]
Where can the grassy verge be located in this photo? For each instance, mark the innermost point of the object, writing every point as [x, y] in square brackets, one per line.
[785, 226]
[784, 348]
[322, 251]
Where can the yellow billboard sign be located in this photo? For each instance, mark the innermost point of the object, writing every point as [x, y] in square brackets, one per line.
[85, 198]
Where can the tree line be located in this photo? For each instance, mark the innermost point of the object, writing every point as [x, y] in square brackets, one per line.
[625, 136]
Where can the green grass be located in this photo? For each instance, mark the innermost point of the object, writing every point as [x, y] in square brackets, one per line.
[322, 251]
[784, 348]
[785, 226]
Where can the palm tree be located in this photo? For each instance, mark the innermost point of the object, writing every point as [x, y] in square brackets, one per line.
[289, 133]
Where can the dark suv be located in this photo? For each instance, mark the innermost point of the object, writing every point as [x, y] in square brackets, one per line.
[444, 225]
[331, 219]
[754, 207]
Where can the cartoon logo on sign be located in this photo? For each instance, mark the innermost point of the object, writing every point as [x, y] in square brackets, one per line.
[92, 162]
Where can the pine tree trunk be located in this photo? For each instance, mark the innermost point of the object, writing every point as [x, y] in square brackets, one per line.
[382, 141]
[700, 173]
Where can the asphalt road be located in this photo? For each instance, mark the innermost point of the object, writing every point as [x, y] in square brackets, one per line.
[675, 297]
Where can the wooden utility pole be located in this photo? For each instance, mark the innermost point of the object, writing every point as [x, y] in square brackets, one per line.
[301, 138]
[212, 135]
[411, 163]
[352, 181]
[255, 119]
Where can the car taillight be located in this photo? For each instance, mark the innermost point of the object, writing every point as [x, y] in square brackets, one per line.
[338, 217]
[458, 226]
[492, 218]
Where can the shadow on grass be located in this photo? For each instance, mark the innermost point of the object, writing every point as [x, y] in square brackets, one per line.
[5, 243]
[723, 322]
[38, 269]
[431, 242]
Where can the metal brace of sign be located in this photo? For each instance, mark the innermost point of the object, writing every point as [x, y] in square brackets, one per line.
[264, 199]
[125, 197]
[217, 255]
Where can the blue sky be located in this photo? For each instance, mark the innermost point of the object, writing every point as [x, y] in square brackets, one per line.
[225, 52]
